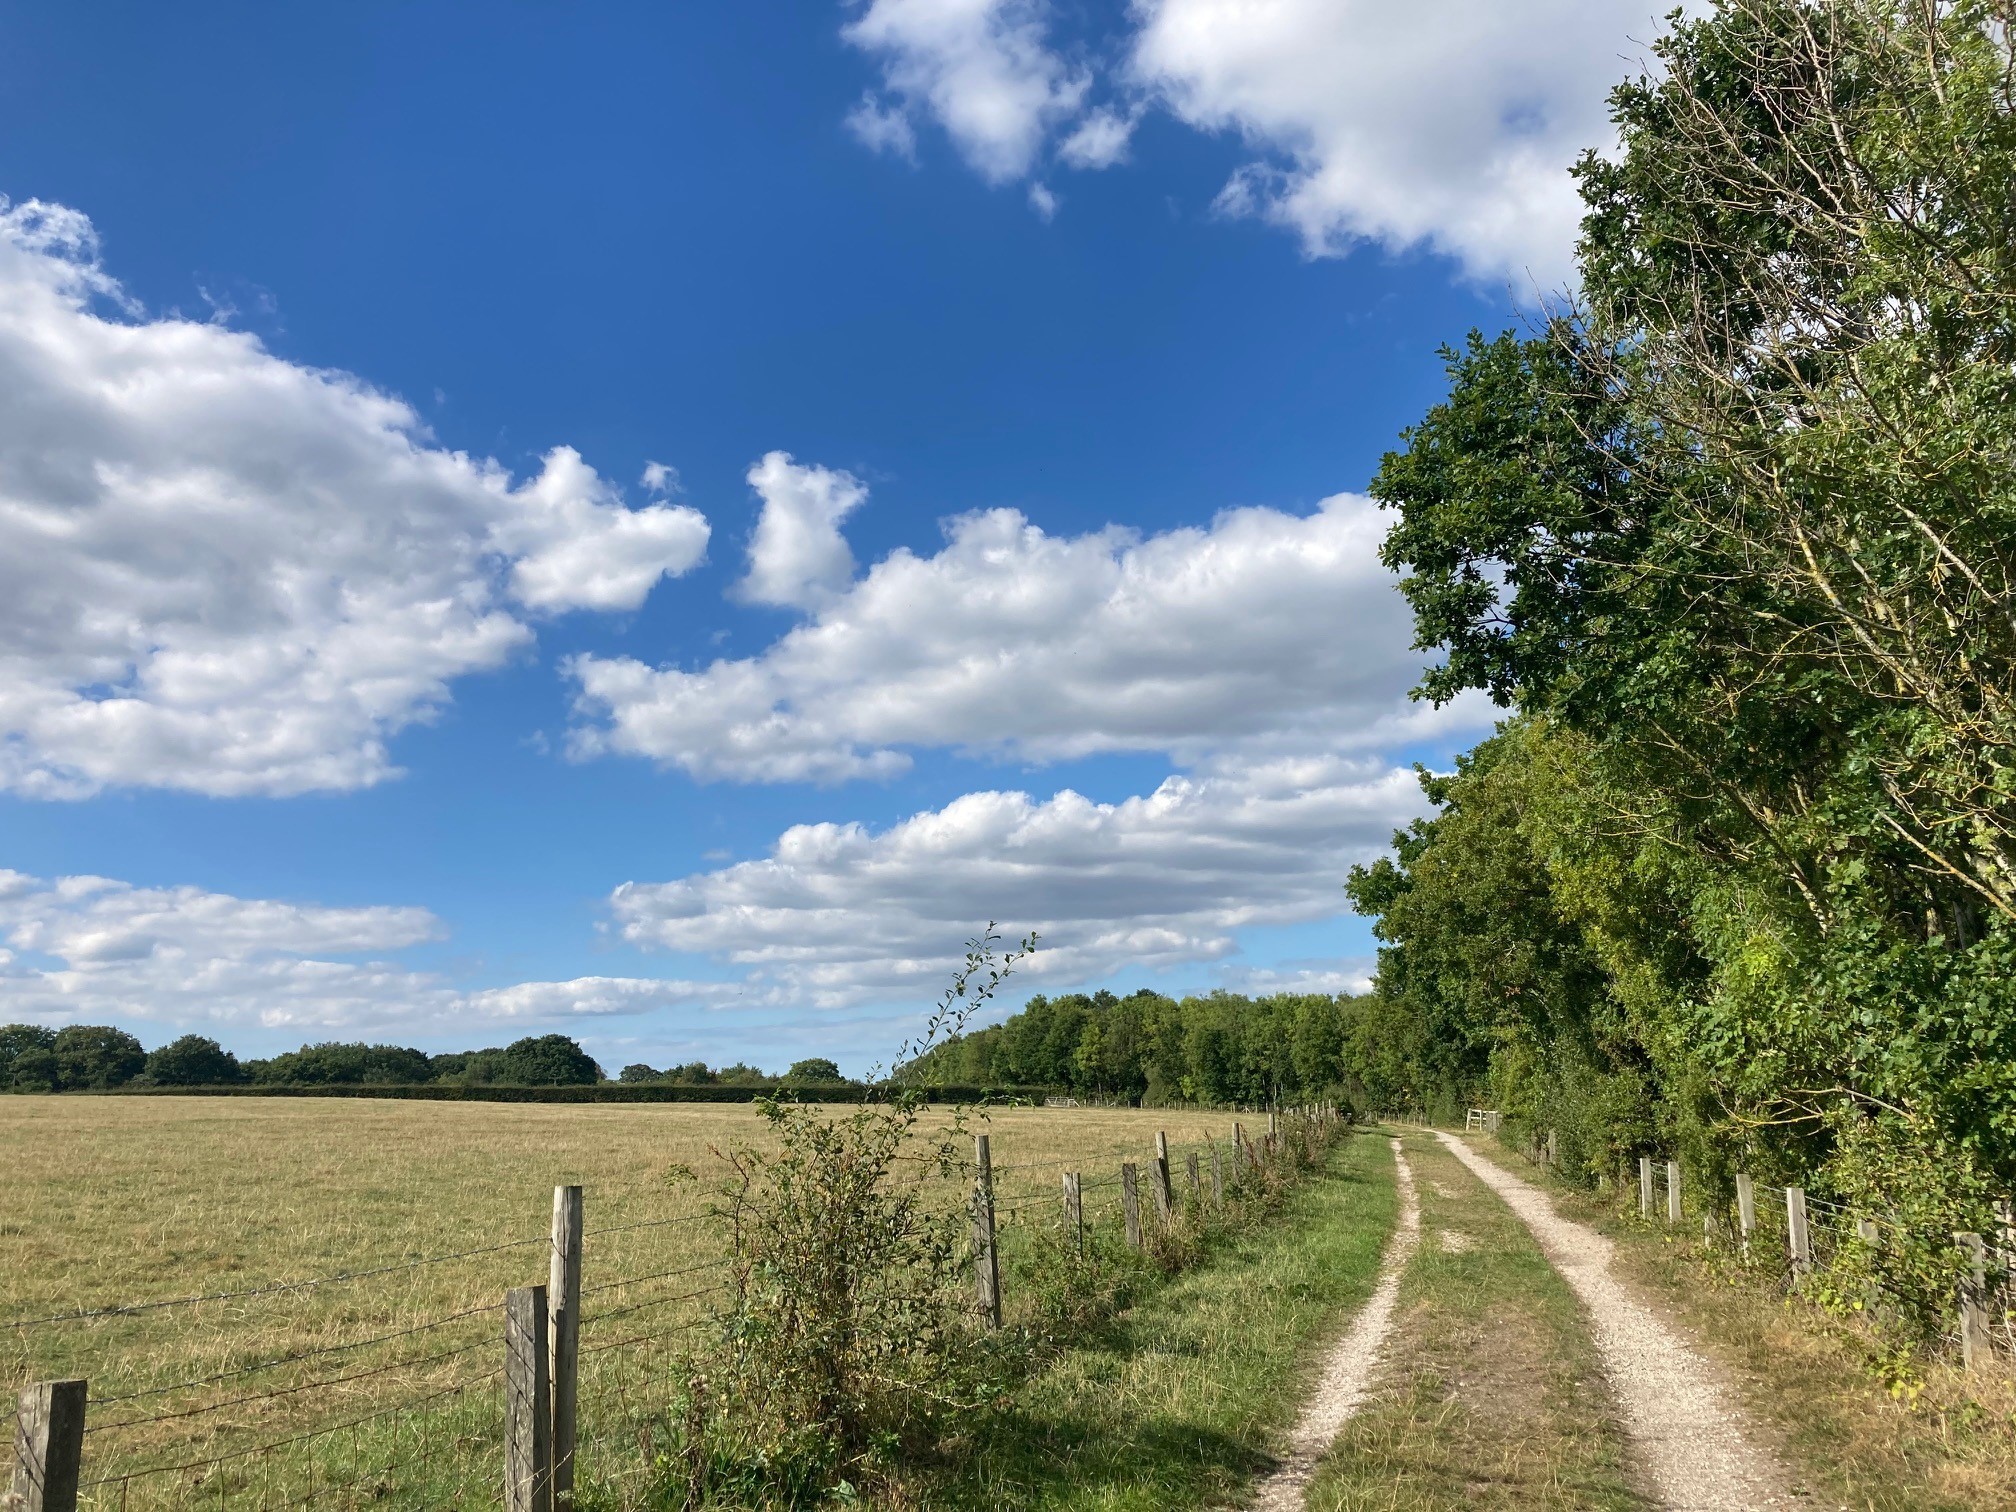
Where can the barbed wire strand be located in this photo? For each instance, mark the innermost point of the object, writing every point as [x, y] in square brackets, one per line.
[618, 1312]
[128, 1308]
[291, 1359]
[267, 1396]
[684, 1270]
[128, 1476]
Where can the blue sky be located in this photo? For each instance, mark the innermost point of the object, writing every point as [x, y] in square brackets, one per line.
[348, 706]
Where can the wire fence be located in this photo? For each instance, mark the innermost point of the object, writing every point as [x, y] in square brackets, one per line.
[325, 1391]
[1958, 1286]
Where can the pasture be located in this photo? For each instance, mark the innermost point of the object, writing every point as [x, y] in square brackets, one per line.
[351, 1257]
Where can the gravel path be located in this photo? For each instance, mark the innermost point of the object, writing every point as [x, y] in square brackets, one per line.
[1349, 1368]
[1689, 1435]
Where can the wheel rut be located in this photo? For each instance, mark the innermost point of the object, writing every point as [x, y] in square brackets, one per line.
[1347, 1372]
[1697, 1449]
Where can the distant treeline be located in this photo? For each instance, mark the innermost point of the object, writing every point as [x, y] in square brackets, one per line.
[96, 1057]
[1223, 1049]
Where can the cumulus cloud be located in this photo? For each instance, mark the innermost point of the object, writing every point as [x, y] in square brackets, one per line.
[1264, 630]
[983, 69]
[882, 127]
[840, 913]
[1043, 201]
[91, 949]
[1099, 141]
[228, 573]
[797, 557]
[1449, 124]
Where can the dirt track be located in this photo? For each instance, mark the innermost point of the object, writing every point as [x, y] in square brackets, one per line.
[1691, 1438]
[1348, 1371]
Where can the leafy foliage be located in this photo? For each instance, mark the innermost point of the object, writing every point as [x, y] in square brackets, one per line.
[1223, 1049]
[1734, 535]
[194, 1061]
[848, 1338]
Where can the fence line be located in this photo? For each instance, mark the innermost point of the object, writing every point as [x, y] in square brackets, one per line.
[371, 1465]
[1976, 1305]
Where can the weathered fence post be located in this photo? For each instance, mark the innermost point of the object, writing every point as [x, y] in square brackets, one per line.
[1238, 1151]
[1644, 1186]
[986, 1261]
[1130, 1203]
[1796, 1236]
[1977, 1343]
[1746, 1209]
[528, 1405]
[1553, 1148]
[1196, 1182]
[1217, 1177]
[48, 1446]
[1165, 1196]
[1672, 1191]
[563, 1329]
[1074, 1212]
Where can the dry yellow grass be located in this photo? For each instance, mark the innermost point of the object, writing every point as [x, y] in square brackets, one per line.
[120, 1201]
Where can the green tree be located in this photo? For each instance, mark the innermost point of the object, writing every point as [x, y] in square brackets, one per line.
[1732, 532]
[547, 1060]
[27, 1058]
[639, 1072]
[338, 1064]
[814, 1070]
[96, 1056]
[194, 1061]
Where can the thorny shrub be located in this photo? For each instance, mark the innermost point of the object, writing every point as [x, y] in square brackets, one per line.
[850, 1339]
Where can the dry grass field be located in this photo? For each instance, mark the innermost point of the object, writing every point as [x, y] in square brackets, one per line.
[386, 1382]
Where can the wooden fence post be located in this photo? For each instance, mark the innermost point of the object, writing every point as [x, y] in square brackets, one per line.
[1672, 1191]
[1977, 1342]
[1074, 1212]
[563, 1330]
[528, 1406]
[1746, 1209]
[1796, 1235]
[1196, 1182]
[1644, 1186]
[1130, 1203]
[986, 1261]
[1238, 1151]
[1217, 1177]
[1164, 1194]
[1553, 1148]
[48, 1446]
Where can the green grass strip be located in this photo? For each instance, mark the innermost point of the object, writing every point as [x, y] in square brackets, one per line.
[1178, 1402]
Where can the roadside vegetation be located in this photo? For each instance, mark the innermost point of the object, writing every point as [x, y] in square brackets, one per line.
[1730, 536]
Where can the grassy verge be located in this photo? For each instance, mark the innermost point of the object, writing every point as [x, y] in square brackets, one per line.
[1177, 1402]
[1490, 1394]
[1934, 1440]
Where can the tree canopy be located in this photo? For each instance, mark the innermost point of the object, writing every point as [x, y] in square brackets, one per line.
[1732, 537]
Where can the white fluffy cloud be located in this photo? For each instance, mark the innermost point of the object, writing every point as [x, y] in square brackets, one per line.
[981, 68]
[90, 949]
[1098, 141]
[839, 914]
[797, 557]
[1450, 123]
[1264, 630]
[228, 573]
